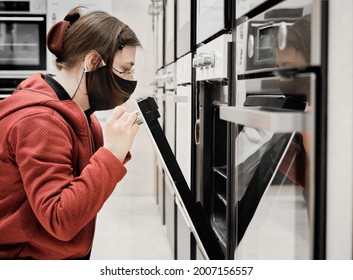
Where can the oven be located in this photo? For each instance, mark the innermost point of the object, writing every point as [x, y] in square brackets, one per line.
[183, 147]
[169, 131]
[22, 36]
[278, 135]
[262, 33]
[22, 42]
[8, 85]
[159, 97]
[212, 63]
[213, 17]
[192, 223]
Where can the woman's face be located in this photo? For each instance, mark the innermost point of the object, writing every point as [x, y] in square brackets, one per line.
[124, 61]
[290, 57]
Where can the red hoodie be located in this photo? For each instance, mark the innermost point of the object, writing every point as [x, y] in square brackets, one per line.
[54, 175]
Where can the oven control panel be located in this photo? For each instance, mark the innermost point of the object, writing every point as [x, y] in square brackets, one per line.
[211, 59]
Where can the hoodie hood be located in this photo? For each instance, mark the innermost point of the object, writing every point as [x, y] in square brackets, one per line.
[35, 91]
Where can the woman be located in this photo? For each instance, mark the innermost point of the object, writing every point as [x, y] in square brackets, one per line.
[55, 171]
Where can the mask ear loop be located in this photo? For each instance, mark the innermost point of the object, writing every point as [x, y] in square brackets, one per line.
[85, 70]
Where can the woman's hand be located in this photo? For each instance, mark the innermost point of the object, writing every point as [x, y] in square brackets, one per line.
[120, 132]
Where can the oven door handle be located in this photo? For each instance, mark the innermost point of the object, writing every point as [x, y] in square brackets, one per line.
[281, 122]
[22, 19]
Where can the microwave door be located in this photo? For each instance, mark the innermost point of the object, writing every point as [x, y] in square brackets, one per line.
[202, 231]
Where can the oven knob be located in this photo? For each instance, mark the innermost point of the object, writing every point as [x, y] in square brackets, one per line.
[251, 45]
[169, 77]
[208, 59]
[198, 60]
[195, 61]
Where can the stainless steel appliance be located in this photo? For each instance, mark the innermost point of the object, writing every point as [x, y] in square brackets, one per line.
[279, 138]
[169, 131]
[165, 96]
[185, 23]
[22, 36]
[183, 147]
[213, 17]
[170, 35]
[22, 42]
[159, 96]
[8, 85]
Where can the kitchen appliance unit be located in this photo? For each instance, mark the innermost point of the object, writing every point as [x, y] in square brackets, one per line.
[169, 131]
[183, 146]
[8, 85]
[165, 100]
[185, 31]
[170, 35]
[213, 17]
[22, 37]
[212, 63]
[190, 211]
[159, 96]
[263, 30]
[278, 150]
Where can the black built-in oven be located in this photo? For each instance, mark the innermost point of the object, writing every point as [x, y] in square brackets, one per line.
[8, 85]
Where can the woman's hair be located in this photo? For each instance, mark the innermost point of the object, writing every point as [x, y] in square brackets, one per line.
[299, 36]
[93, 31]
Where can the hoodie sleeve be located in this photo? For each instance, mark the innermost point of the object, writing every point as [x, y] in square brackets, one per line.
[45, 146]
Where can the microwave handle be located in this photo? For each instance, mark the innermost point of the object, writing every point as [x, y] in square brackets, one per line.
[281, 122]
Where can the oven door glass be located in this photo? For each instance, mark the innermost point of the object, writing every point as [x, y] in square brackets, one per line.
[273, 167]
[272, 207]
[22, 42]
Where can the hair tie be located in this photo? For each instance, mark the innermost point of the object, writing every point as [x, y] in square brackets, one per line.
[55, 37]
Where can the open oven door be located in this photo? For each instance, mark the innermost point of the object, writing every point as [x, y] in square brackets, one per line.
[192, 211]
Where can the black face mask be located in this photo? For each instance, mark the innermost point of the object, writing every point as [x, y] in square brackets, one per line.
[100, 100]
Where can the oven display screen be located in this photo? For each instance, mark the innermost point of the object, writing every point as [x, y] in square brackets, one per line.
[266, 39]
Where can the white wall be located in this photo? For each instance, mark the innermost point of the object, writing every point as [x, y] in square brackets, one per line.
[135, 14]
[340, 136]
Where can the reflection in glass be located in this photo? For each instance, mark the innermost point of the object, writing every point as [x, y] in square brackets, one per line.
[19, 44]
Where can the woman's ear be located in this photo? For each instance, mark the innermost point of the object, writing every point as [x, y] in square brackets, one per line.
[92, 61]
